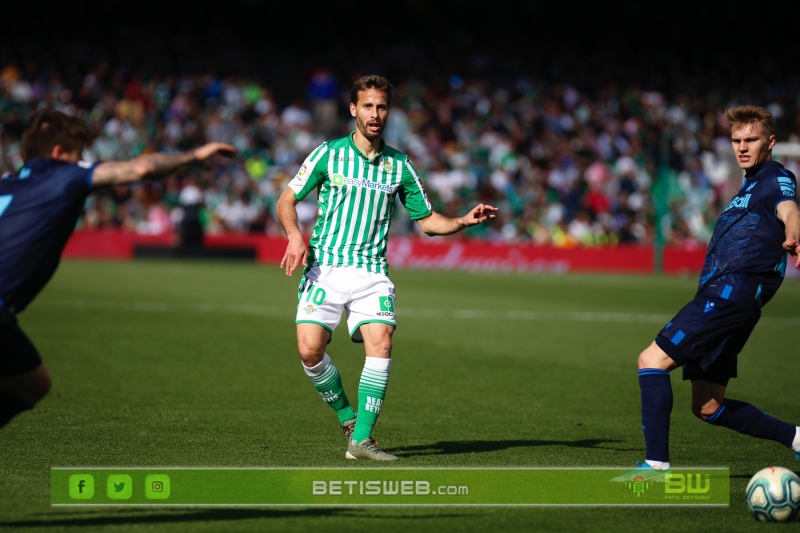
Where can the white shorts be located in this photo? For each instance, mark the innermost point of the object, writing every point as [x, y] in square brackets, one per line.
[325, 291]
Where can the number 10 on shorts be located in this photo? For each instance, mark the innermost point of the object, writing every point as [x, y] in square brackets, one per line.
[387, 304]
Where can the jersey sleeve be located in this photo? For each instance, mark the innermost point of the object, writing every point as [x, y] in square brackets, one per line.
[77, 179]
[780, 187]
[313, 172]
[412, 193]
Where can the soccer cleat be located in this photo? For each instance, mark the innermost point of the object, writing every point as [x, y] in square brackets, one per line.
[796, 444]
[368, 449]
[643, 472]
[348, 427]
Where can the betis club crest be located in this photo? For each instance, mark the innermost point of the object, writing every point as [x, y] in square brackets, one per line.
[638, 485]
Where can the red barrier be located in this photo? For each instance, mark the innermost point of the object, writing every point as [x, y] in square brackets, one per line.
[412, 253]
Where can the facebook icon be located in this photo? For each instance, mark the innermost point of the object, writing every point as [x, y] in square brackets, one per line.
[81, 486]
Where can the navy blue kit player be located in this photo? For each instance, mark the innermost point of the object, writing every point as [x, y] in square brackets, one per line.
[39, 207]
[744, 267]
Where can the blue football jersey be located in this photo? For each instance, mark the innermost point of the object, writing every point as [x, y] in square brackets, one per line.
[745, 261]
[39, 208]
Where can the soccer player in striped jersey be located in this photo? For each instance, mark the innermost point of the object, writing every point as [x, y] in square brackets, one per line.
[357, 179]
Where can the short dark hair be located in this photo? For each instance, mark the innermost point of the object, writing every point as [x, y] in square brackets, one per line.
[371, 82]
[750, 114]
[47, 128]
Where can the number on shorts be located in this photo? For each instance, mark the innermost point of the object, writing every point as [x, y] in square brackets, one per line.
[319, 295]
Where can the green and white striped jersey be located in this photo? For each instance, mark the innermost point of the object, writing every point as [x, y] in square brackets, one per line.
[356, 202]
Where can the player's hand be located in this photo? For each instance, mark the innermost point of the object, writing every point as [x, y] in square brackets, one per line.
[203, 153]
[479, 214]
[792, 246]
[296, 253]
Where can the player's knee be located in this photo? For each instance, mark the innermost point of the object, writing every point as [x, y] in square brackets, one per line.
[655, 357]
[646, 359]
[380, 346]
[310, 354]
[704, 410]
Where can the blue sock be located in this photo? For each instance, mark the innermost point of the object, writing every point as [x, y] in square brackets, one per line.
[748, 419]
[656, 408]
[11, 406]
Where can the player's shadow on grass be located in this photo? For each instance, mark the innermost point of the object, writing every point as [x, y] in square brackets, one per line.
[130, 516]
[481, 446]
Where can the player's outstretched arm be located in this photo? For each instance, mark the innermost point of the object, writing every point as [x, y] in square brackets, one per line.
[155, 166]
[790, 216]
[436, 224]
[296, 251]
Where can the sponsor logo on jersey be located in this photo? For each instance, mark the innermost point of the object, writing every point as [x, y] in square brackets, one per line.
[338, 180]
[309, 309]
[341, 158]
[739, 203]
[303, 171]
[373, 405]
[709, 307]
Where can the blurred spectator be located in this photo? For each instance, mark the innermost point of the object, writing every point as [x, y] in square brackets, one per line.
[568, 164]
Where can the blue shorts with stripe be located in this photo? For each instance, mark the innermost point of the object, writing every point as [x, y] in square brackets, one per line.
[705, 337]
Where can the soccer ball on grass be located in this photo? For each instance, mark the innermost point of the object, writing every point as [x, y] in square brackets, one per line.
[773, 494]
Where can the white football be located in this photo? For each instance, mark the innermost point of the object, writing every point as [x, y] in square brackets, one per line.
[773, 494]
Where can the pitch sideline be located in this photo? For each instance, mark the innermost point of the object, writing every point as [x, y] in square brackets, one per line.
[462, 314]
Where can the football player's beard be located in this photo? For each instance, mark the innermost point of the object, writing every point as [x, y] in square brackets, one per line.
[369, 135]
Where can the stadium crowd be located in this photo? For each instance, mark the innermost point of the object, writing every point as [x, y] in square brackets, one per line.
[566, 166]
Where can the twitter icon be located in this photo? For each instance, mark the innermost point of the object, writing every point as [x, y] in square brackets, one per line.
[119, 486]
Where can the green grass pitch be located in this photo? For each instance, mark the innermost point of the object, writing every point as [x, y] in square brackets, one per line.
[194, 364]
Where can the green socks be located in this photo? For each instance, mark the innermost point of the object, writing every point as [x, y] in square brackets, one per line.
[371, 392]
[328, 383]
